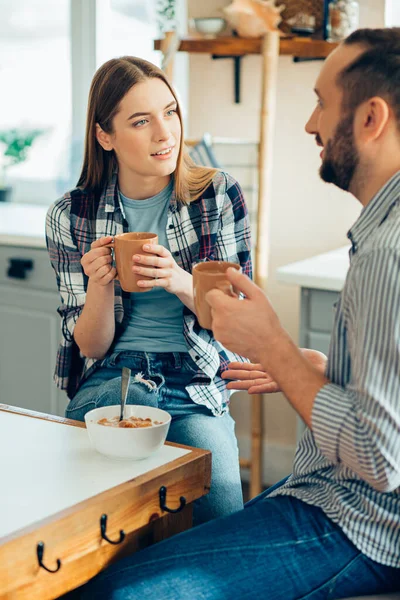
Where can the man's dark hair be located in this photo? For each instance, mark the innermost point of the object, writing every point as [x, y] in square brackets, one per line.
[376, 72]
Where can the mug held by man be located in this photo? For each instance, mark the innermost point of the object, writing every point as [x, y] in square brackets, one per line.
[125, 245]
[208, 276]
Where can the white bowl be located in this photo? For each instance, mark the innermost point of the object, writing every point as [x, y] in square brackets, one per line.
[209, 25]
[121, 442]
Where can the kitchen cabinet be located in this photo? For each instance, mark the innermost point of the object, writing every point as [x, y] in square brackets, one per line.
[29, 322]
[321, 278]
[316, 318]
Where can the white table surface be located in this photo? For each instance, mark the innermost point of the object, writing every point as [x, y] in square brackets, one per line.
[22, 224]
[325, 271]
[46, 467]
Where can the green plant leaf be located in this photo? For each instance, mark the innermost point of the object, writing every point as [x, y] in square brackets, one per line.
[17, 142]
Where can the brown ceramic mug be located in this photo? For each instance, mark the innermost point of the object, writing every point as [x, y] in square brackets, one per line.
[209, 276]
[125, 245]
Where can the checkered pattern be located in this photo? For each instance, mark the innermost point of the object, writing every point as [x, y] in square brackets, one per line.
[214, 227]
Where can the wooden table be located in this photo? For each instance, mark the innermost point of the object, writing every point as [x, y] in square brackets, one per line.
[58, 495]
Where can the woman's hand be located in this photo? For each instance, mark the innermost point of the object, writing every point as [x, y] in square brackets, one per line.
[97, 263]
[162, 269]
[255, 380]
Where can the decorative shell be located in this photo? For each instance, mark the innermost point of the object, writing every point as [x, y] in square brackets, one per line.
[253, 18]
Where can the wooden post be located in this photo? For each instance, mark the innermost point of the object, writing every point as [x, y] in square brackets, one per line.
[269, 71]
[168, 48]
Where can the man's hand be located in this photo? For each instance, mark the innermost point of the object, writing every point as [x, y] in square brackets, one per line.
[249, 377]
[255, 380]
[251, 328]
[246, 326]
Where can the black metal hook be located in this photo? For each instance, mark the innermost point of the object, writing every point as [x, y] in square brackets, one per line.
[40, 552]
[103, 527]
[163, 498]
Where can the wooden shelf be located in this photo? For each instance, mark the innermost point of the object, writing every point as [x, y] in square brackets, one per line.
[235, 46]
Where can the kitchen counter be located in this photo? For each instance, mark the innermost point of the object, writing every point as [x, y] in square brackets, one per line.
[22, 225]
[322, 272]
[321, 279]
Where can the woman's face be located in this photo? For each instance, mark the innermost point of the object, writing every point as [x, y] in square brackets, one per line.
[147, 131]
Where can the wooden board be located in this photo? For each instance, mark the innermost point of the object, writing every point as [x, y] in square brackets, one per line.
[235, 46]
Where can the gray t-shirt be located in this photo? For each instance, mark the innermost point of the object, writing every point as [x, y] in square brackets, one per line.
[156, 319]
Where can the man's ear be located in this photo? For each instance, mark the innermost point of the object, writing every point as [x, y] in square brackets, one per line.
[103, 138]
[371, 119]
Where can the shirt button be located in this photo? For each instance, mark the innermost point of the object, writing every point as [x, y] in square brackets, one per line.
[171, 226]
[197, 357]
[176, 253]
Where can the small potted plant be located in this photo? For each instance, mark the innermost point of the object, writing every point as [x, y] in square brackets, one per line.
[15, 144]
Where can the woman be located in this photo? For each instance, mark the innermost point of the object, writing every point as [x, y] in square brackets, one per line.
[137, 176]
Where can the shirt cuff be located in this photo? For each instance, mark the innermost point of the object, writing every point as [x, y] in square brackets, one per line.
[330, 411]
[68, 323]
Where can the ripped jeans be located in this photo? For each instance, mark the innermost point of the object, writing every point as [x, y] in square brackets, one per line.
[159, 380]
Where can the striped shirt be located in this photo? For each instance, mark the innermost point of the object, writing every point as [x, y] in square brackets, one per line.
[214, 227]
[349, 464]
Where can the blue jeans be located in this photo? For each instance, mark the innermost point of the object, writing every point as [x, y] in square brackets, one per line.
[275, 549]
[192, 424]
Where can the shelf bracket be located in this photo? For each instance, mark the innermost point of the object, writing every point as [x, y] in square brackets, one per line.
[298, 59]
[237, 61]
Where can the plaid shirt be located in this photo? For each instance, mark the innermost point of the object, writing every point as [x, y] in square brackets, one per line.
[214, 227]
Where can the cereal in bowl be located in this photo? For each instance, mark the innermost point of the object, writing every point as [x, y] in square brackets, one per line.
[130, 422]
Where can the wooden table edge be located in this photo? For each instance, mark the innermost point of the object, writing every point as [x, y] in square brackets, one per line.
[195, 453]
[25, 412]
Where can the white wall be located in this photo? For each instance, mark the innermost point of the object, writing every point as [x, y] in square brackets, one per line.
[307, 217]
[392, 13]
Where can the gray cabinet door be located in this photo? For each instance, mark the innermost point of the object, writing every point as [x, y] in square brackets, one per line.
[318, 341]
[316, 320]
[29, 329]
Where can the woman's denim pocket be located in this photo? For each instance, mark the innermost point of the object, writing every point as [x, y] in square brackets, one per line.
[188, 365]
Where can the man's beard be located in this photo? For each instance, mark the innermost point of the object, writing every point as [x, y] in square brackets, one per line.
[341, 158]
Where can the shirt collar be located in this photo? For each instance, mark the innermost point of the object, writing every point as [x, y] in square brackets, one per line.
[110, 196]
[375, 212]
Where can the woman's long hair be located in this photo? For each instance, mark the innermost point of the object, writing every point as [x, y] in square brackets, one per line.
[110, 84]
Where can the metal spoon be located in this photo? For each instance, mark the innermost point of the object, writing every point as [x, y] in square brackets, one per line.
[126, 375]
